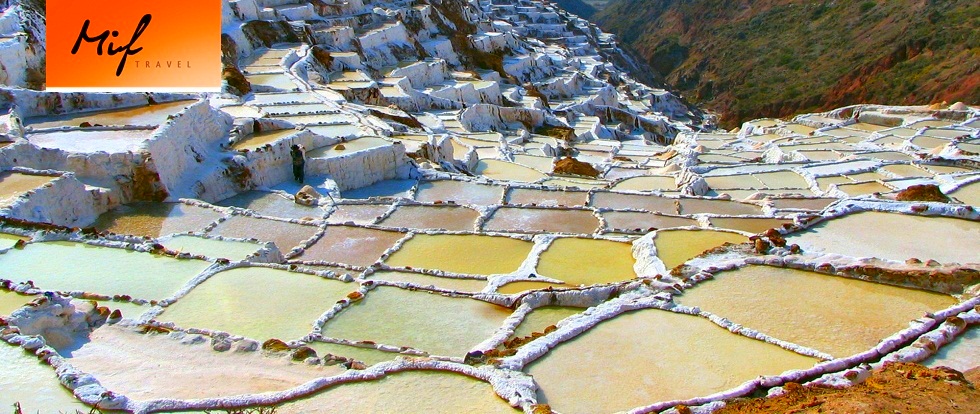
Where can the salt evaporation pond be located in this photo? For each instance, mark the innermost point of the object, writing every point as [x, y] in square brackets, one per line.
[541, 318]
[424, 280]
[211, 248]
[242, 301]
[261, 139]
[273, 205]
[675, 247]
[10, 301]
[148, 366]
[34, 385]
[412, 391]
[947, 240]
[462, 253]
[13, 184]
[679, 357]
[812, 309]
[459, 192]
[150, 115]
[426, 217]
[430, 322]
[10, 240]
[155, 219]
[111, 142]
[103, 270]
[542, 220]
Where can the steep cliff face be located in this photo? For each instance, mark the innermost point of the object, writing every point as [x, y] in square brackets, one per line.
[757, 58]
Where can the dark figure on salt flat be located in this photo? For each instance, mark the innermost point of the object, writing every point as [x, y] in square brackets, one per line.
[299, 162]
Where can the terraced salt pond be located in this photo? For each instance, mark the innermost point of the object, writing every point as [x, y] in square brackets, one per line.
[82, 141]
[261, 139]
[156, 219]
[10, 301]
[14, 184]
[348, 147]
[25, 380]
[812, 309]
[102, 270]
[412, 391]
[648, 370]
[138, 364]
[950, 240]
[573, 261]
[150, 115]
[461, 253]
[425, 217]
[437, 324]
[675, 247]
[239, 301]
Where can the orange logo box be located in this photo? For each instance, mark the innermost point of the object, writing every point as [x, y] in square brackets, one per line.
[133, 46]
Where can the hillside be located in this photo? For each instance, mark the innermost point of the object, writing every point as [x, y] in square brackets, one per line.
[579, 7]
[758, 58]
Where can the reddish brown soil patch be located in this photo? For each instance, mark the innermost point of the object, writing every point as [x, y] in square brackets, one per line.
[569, 165]
[895, 388]
[924, 192]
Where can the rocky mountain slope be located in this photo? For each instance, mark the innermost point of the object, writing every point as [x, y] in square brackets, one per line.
[756, 58]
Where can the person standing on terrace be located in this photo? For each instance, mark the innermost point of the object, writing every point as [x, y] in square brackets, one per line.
[299, 163]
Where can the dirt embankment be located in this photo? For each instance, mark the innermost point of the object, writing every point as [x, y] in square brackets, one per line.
[895, 388]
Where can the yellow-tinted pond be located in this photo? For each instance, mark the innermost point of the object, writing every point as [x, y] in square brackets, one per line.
[628, 220]
[503, 170]
[482, 255]
[542, 220]
[34, 385]
[587, 261]
[406, 392]
[660, 183]
[13, 184]
[940, 238]
[832, 314]
[258, 303]
[348, 147]
[541, 318]
[10, 240]
[661, 366]
[448, 283]
[104, 270]
[426, 217]
[11, 301]
[155, 219]
[432, 323]
[211, 248]
[969, 194]
[261, 139]
[352, 245]
[369, 356]
[141, 115]
[675, 247]
[751, 225]
[460, 192]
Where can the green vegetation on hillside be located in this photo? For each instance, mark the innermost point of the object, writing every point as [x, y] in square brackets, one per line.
[761, 58]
